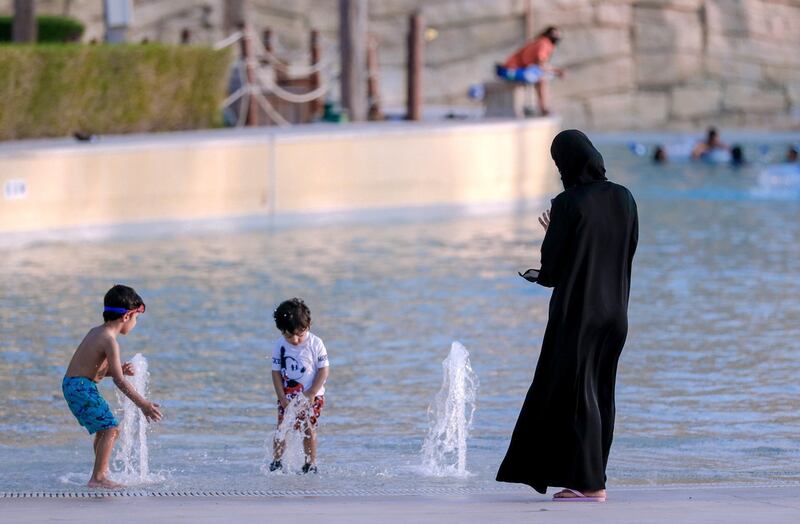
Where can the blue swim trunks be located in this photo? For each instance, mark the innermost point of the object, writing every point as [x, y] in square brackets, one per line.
[525, 75]
[87, 404]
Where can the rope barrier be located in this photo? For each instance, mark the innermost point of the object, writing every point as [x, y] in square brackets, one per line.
[294, 70]
[229, 41]
[269, 110]
[304, 56]
[264, 81]
[236, 95]
[295, 98]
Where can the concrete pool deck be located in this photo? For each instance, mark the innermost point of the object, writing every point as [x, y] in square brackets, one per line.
[702, 504]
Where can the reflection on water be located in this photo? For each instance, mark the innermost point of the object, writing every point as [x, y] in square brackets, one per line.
[707, 392]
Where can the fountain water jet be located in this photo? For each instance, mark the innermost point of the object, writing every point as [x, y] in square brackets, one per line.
[132, 459]
[444, 452]
[291, 433]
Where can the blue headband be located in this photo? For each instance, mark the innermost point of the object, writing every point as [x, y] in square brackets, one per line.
[120, 310]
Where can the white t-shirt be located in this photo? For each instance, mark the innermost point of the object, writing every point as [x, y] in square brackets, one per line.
[299, 364]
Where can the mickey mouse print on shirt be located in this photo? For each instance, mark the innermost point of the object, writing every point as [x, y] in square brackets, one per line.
[292, 372]
[299, 364]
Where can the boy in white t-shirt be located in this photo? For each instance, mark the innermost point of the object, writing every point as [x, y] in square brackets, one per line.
[299, 367]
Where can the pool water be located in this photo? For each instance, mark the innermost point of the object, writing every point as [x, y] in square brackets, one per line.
[708, 389]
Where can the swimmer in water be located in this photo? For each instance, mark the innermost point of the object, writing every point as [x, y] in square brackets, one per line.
[660, 155]
[791, 154]
[710, 144]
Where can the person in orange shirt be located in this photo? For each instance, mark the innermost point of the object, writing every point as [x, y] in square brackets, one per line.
[529, 65]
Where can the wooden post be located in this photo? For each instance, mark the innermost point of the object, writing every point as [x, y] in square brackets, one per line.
[266, 40]
[528, 90]
[529, 29]
[373, 89]
[315, 105]
[250, 77]
[416, 48]
[353, 46]
[24, 28]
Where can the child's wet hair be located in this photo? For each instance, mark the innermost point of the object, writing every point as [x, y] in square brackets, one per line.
[292, 316]
[122, 297]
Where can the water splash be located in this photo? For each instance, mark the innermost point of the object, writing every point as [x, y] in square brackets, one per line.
[131, 463]
[291, 433]
[778, 182]
[73, 479]
[444, 452]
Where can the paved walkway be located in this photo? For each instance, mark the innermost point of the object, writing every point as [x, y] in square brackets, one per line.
[707, 505]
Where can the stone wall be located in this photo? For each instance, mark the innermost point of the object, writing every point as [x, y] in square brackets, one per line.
[271, 176]
[631, 64]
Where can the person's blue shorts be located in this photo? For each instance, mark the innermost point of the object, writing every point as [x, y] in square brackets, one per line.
[526, 75]
[87, 404]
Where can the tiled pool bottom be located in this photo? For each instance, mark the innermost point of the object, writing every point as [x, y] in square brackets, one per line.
[707, 392]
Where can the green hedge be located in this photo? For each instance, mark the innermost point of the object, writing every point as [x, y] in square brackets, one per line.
[50, 29]
[56, 90]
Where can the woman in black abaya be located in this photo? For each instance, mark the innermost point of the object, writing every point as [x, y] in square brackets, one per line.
[564, 431]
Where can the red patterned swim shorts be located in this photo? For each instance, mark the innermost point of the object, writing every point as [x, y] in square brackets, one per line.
[316, 411]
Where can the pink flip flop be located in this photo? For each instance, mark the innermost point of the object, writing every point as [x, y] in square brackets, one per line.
[579, 497]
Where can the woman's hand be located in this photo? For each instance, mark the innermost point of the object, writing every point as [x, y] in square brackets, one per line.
[544, 220]
[128, 369]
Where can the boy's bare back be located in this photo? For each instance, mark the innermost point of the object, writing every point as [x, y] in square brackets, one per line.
[90, 359]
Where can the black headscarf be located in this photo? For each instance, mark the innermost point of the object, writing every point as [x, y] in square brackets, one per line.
[577, 159]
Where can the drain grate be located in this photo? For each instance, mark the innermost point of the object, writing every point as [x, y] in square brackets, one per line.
[264, 493]
[355, 492]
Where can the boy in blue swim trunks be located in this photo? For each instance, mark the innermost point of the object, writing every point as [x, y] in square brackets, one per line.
[97, 356]
[530, 65]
